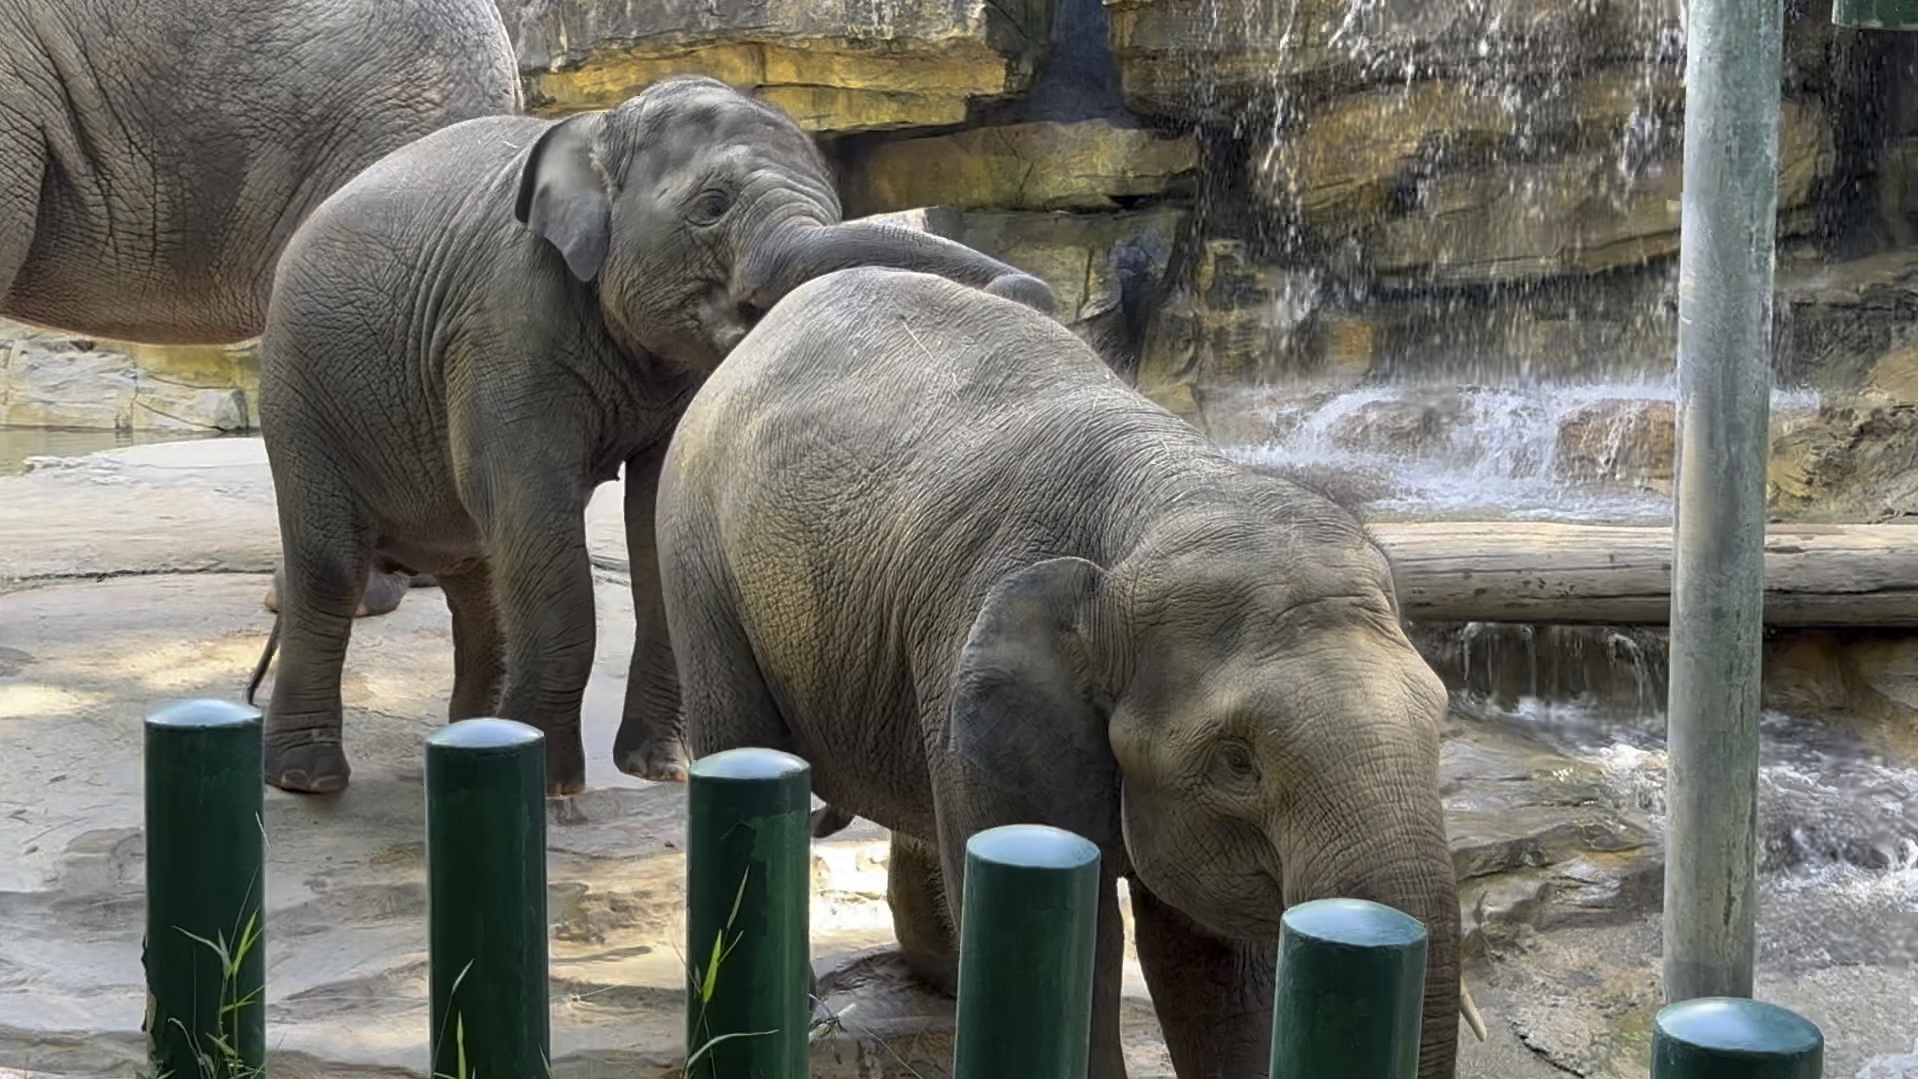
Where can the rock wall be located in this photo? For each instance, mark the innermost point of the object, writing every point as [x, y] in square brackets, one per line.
[1234, 193]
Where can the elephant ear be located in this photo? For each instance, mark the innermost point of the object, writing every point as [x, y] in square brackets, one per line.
[563, 195]
[1025, 708]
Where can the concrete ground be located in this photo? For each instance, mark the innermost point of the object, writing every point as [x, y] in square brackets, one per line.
[133, 578]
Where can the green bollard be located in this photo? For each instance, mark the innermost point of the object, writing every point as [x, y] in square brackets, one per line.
[206, 879]
[1026, 945]
[1351, 991]
[1734, 1038]
[486, 900]
[748, 904]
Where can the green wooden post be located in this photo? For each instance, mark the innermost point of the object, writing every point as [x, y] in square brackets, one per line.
[1876, 14]
[1351, 990]
[1027, 938]
[748, 903]
[206, 879]
[486, 899]
[1718, 571]
[1735, 1038]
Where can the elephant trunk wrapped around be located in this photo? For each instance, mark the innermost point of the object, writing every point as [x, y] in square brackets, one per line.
[924, 538]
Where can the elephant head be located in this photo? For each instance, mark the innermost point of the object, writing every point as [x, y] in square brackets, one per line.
[693, 208]
[1236, 709]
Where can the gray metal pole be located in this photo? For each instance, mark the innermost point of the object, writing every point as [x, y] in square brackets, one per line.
[1732, 74]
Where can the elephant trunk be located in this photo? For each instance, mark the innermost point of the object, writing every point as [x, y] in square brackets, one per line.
[1403, 862]
[800, 253]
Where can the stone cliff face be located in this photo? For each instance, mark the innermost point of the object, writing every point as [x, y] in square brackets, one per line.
[1234, 193]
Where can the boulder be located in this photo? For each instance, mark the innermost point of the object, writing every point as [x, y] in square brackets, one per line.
[1857, 459]
[1088, 165]
[1579, 215]
[58, 380]
[1618, 441]
[836, 68]
[1210, 60]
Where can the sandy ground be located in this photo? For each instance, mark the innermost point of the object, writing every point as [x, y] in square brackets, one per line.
[133, 578]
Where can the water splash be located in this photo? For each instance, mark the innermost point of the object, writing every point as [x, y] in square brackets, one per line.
[1473, 451]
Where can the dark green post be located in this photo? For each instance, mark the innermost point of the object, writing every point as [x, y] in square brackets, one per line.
[206, 879]
[1026, 945]
[1351, 988]
[1735, 1038]
[748, 901]
[1876, 14]
[486, 899]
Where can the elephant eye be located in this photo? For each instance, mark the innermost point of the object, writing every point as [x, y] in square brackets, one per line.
[711, 205]
[1236, 762]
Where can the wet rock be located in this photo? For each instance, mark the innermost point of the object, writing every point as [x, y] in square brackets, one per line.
[60, 380]
[1618, 441]
[1579, 215]
[1537, 839]
[1843, 324]
[1088, 165]
[1208, 59]
[836, 68]
[1858, 459]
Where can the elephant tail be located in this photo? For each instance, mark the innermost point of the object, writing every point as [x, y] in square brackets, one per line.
[266, 660]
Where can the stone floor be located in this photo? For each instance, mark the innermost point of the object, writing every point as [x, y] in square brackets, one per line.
[134, 577]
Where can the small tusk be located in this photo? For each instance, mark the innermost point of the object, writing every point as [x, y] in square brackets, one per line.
[1470, 1011]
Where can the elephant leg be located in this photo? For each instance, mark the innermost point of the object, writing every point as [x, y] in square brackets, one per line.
[1213, 997]
[651, 743]
[726, 700]
[479, 657]
[543, 585]
[916, 892]
[326, 559]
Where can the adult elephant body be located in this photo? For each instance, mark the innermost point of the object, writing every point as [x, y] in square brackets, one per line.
[926, 540]
[479, 329]
[157, 155]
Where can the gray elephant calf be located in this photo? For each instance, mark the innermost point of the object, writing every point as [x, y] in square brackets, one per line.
[486, 324]
[926, 540]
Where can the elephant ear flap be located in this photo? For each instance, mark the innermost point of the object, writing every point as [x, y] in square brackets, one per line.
[563, 195]
[1024, 713]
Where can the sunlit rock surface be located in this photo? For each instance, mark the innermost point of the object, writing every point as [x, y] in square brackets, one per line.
[836, 68]
[1089, 165]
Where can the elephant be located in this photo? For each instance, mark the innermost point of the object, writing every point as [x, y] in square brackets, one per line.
[155, 156]
[475, 332]
[926, 540]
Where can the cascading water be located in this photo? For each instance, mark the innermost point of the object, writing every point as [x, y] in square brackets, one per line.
[1479, 452]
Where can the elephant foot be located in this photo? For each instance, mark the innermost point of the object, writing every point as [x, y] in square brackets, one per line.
[308, 768]
[423, 580]
[661, 761]
[565, 765]
[384, 591]
[939, 971]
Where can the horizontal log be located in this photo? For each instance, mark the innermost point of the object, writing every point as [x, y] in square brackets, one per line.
[1521, 571]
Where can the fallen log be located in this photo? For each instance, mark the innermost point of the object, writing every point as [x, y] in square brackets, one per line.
[1521, 571]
